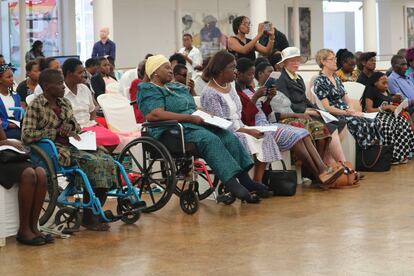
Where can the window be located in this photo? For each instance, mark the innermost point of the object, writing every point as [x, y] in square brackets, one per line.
[84, 28]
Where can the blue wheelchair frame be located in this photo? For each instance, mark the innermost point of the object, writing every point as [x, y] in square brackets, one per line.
[94, 203]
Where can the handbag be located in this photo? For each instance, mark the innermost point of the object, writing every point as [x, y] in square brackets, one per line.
[281, 182]
[376, 158]
[8, 155]
[347, 179]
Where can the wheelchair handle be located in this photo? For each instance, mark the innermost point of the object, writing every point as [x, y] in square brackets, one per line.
[169, 123]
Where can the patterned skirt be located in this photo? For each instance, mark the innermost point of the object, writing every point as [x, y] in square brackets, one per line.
[364, 130]
[99, 167]
[287, 136]
[396, 131]
[317, 130]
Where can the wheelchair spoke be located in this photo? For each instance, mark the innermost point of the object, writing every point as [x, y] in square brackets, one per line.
[135, 160]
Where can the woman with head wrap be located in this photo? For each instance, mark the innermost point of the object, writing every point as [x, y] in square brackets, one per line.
[161, 100]
[397, 131]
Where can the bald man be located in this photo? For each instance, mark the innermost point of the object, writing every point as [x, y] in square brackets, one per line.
[105, 46]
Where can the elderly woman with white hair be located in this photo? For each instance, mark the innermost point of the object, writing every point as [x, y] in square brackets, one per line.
[162, 100]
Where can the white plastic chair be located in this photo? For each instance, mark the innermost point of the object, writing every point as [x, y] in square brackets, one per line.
[197, 100]
[120, 118]
[113, 88]
[354, 91]
[125, 82]
[30, 98]
[9, 213]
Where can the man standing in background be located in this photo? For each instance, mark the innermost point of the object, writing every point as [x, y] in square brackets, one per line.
[105, 46]
[191, 54]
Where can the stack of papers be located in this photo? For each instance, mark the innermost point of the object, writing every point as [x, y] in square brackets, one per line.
[327, 117]
[263, 128]
[87, 141]
[371, 115]
[213, 120]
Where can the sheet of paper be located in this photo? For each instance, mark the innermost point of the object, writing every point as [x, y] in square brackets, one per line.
[271, 80]
[87, 142]
[371, 115]
[17, 123]
[213, 120]
[6, 147]
[401, 107]
[263, 128]
[326, 116]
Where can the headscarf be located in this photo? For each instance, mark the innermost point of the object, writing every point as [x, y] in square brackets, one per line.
[4, 68]
[153, 63]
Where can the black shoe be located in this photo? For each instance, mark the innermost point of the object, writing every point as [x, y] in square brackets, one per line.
[48, 238]
[264, 193]
[36, 241]
[254, 199]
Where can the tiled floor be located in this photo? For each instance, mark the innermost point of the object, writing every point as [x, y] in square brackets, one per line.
[363, 231]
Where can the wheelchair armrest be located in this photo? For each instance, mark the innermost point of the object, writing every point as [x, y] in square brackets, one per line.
[18, 108]
[49, 143]
[172, 123]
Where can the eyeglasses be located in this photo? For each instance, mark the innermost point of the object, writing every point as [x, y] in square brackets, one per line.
[330, 59]
[248, 24]
[231, 68]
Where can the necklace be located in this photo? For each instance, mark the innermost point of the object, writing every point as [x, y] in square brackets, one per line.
[222, 87]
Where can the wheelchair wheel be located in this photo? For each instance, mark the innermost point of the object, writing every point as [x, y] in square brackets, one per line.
[189, 201]
[70, 217]
[228, 198]
[204, 193]
[40, 158]
[151, 169]
[124, 205]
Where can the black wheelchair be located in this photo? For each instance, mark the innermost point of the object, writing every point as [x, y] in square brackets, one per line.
[161, 168]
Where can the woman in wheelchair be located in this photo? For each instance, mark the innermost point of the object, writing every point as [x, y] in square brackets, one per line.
[8, 100]
[220, 99]
[32, 191]
[50, 116]
[160, 100]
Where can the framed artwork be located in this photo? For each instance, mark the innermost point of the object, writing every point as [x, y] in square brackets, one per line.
[409, 26]
[207, 30]
[304, 27]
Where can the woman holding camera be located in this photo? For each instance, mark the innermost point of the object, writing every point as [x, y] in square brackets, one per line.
[240, 46]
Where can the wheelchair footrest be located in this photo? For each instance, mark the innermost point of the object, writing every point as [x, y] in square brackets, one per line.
[110, 216]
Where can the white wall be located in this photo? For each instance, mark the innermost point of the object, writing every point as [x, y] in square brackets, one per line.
[339, 31]
[391, 25]
[142, 26]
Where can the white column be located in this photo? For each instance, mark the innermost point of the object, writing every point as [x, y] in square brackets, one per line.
[370, 25]
[178, 24]
[296, 24]
[258, 14]
[23, 34]
[103, 16]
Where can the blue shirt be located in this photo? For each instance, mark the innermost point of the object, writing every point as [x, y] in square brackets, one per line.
[107, 49]
[401, 84]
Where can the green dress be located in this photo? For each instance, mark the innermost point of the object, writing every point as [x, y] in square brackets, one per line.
[220, 148]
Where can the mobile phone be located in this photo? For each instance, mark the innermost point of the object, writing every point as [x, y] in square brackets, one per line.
[267, 26]
[189, 77]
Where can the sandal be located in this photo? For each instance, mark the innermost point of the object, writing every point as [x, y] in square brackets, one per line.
[330, 176]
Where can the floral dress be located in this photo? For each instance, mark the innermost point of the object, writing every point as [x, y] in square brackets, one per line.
[364, 130]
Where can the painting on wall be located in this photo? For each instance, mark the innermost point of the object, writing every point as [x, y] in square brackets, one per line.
[409, 26]
[305, 29]
[209, 33]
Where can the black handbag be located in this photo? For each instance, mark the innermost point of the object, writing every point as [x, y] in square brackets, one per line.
[376, 158]
[281, 182]
[8, 155]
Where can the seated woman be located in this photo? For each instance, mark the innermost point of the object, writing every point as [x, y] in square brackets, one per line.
[27, 87]
[240, 46]
[330, 90]
[32, 191]
[291, 85]
[396, 130]
[220, 99]
[275, 106]
[102, 78]
[83, 106]
[161, 100]
[50, 116]
[346, 63]
[10, 119]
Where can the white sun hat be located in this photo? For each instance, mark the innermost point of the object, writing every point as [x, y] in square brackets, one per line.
[289, 52]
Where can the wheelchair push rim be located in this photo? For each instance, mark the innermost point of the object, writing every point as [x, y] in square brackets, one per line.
[151, 169]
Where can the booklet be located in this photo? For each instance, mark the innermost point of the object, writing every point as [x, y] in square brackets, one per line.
[326, 116]
[271, 80]
[87, 141]
[213, 120]
[263, 128]
[17, 123]
[7, 147]
[403, 105]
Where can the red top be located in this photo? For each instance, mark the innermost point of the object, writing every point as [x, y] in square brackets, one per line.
[249, 109]
[133, 90]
